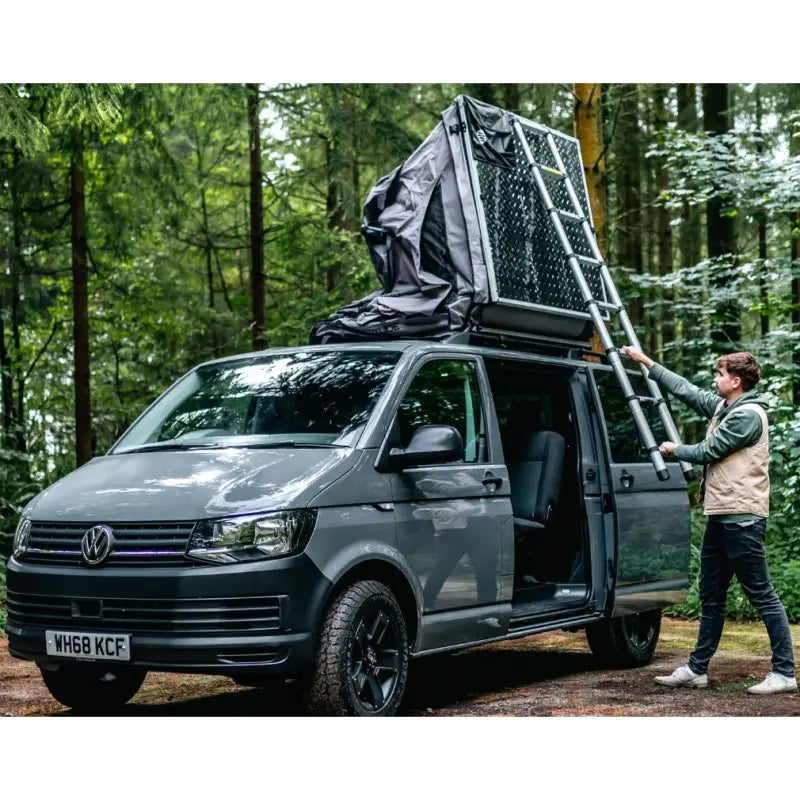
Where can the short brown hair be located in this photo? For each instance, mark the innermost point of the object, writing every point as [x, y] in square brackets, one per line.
[742, 365]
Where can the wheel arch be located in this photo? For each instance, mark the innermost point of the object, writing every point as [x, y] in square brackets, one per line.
[393, 577]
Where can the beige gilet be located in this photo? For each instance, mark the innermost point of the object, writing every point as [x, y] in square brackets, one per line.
[739, 483]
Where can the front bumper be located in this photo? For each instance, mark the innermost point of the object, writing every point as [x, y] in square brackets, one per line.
[238, 620]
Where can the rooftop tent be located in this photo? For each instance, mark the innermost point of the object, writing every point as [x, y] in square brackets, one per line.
[461, 241]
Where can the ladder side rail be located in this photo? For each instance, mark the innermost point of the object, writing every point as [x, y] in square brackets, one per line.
[655, 391]
[639, 418]
[615, 300]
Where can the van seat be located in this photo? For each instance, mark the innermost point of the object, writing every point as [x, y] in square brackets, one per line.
[536, 474]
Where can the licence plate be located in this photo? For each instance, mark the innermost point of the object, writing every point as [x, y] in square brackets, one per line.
[89, 646]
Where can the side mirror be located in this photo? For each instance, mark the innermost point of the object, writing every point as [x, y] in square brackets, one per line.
[430, 444]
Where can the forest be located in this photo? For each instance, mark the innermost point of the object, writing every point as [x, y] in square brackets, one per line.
[145, 228]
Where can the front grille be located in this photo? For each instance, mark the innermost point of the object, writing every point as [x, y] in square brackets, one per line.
[146, 544]
[202, 616]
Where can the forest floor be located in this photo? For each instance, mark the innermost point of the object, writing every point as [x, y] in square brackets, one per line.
[546, 675]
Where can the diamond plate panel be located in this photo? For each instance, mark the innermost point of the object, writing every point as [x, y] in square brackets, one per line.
[528, 259]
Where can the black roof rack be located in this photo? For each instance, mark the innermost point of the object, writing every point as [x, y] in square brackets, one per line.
[529, 343]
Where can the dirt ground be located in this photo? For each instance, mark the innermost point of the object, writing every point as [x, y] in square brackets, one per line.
[546, 675]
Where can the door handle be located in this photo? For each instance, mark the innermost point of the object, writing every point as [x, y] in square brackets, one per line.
[492, 482]
[626, 479]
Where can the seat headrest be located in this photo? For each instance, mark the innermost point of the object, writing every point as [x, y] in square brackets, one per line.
[541, 444]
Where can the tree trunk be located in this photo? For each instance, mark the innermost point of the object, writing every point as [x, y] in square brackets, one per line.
[649, 238]
[16, 274]
[80, 305]
[6, 381]
[333, 208]
[588, 126]
[342, 174]
[209, 266]
[665, 311]
[763, 292]
[628, 181]
[256, 220]
[7, 368]
[208, 248]
[795, 253]
[795, 272]
[689, 246]
[721, 233]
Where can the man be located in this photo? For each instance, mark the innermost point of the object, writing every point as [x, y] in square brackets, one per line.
[735, 455]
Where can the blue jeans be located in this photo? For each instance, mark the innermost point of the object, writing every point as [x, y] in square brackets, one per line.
[730, 549]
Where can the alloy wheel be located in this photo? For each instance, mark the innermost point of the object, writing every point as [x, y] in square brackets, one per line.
[639, 629]
[375, 659]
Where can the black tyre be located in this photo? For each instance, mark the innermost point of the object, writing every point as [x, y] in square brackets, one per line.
[93, 688]
[628, 641]
[361, 665]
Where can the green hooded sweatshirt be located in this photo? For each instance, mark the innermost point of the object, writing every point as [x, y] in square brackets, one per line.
[737, 427]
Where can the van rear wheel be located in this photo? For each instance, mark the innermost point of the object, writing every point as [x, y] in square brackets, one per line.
[93, 688]
[361, 664]
[628, 641]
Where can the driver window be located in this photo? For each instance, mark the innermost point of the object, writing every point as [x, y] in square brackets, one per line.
[446, 393]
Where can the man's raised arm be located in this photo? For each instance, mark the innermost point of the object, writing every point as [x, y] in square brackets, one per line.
[701, 400]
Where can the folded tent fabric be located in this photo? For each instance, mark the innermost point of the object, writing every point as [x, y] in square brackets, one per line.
[421, 227]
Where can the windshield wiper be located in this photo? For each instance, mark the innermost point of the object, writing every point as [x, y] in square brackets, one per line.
[159, 446]
[162, 446]
[288, 443]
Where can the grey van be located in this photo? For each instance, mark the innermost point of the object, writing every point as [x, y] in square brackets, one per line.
[327, 513]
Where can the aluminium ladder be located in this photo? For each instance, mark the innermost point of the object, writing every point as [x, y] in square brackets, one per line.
[594, 306]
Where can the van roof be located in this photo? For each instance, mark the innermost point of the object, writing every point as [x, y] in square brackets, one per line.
[415, 345]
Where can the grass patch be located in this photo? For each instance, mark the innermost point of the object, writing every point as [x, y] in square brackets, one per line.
[734, 687]
[748, 637]
[667, 643]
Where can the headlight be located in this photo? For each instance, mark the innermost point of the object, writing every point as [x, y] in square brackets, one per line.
[224, 541]
[21, 537]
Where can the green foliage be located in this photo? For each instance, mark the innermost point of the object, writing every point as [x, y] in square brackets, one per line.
[85, 105]
[17, 123]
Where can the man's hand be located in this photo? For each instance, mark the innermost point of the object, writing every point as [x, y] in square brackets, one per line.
[667, 449]
[637, 355]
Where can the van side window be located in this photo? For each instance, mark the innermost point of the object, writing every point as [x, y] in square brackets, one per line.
[623, 438]
[446, 393]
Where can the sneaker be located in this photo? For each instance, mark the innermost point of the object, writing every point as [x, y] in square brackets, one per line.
[774, 683]
[683, 676]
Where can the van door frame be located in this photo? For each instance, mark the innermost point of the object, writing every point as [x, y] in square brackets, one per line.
[590, 455]
[597, 498]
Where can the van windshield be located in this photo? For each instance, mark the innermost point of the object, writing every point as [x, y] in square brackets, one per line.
[303, 399]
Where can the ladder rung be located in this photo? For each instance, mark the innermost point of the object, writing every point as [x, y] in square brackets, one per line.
[608, 306]
[556, 173]
[570, 215]
[588, 260]
[646, 400]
